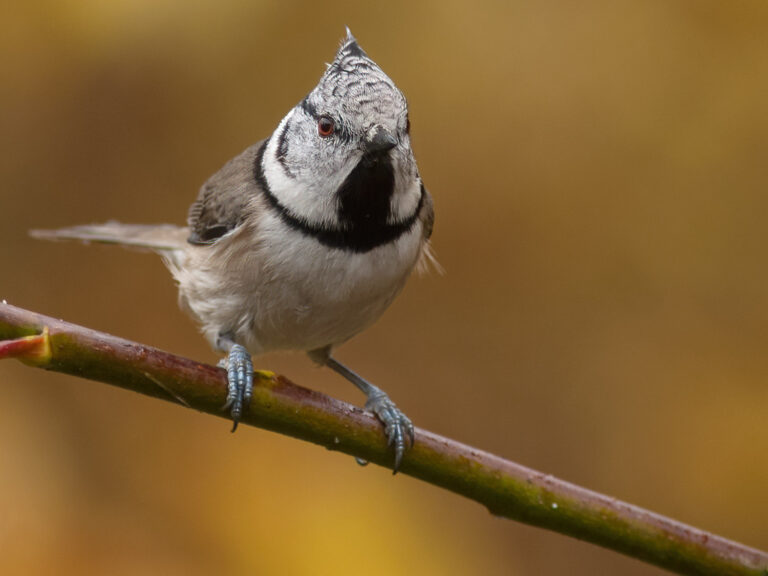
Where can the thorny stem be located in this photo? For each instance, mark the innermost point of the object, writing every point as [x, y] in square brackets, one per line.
[505, 488]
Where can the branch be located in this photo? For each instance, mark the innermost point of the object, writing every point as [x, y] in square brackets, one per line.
[505, 488]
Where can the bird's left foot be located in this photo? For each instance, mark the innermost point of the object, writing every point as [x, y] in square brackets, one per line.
[239, 367]
[397, 426]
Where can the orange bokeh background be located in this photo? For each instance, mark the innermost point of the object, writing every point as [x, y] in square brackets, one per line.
[599, 172]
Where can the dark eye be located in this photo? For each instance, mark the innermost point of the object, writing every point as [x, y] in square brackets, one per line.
[325, 126]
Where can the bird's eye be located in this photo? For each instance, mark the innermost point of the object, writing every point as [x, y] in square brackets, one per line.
[325, 126]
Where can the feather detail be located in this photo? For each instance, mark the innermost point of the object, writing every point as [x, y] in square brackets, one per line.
[158, 237]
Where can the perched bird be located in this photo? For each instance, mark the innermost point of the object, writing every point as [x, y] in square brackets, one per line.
[305, 238]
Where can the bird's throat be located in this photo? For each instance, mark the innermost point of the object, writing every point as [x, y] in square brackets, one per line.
[365, 196]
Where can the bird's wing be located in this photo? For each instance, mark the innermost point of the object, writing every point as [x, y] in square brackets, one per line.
[427, 213]
[427, 260]
[222, 202]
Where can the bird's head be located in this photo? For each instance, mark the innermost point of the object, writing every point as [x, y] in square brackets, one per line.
[342, 157]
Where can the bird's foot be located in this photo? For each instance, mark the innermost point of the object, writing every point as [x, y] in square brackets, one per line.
[239, 367]
[397, 426]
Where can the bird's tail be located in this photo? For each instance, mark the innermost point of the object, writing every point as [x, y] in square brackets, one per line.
[157, 237]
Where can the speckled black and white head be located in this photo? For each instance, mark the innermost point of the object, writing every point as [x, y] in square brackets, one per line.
[340, 165]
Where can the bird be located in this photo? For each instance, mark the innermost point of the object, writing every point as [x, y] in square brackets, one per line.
[304, 239]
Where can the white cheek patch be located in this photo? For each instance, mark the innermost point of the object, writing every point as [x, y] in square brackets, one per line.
[307, 199]
[405, 200]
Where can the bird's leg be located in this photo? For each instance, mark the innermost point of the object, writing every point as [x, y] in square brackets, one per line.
[397, 426]
[239, 367]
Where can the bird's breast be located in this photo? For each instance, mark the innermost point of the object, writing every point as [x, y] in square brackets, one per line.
[308, 295]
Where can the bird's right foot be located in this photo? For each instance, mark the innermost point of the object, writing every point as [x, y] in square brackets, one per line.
[239, 367]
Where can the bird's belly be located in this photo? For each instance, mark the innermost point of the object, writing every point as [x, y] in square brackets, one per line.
[310, 296]
[289, 292]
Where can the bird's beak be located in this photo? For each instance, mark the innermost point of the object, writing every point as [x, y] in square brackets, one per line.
[378, 140]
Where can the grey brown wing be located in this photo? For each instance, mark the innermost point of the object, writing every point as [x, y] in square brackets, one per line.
[427, 260]
[427, 213]
[223, 200]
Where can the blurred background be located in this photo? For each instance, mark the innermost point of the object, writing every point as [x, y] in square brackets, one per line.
[599, 172]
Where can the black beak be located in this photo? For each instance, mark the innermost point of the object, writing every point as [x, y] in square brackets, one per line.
[379, 140]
